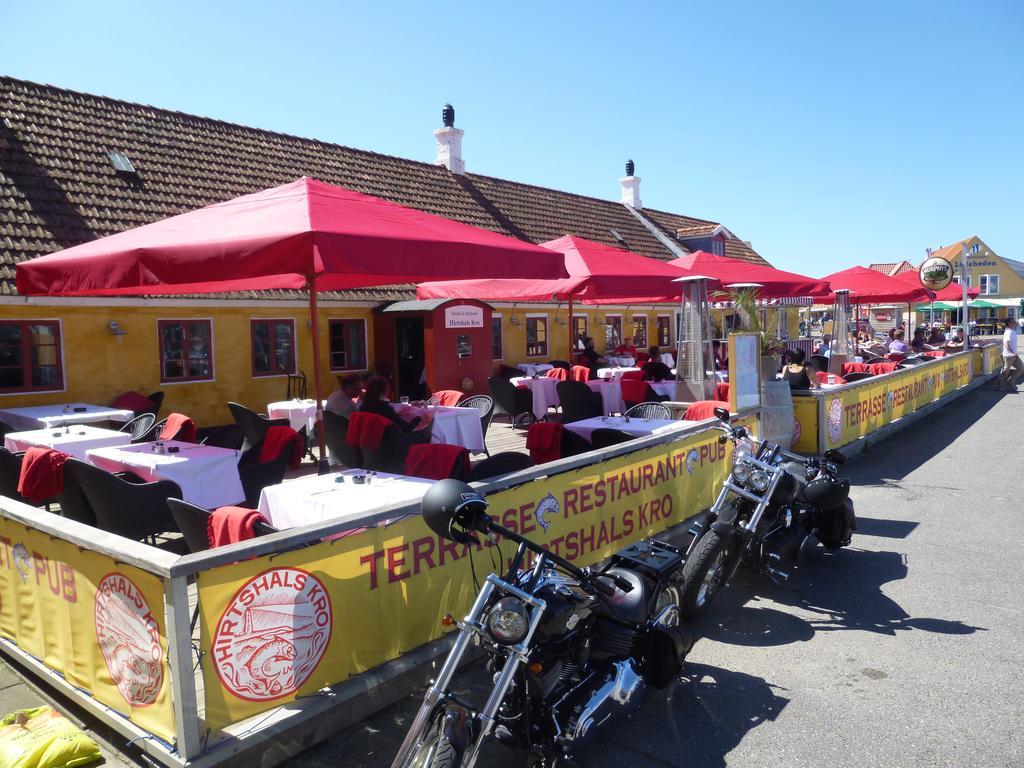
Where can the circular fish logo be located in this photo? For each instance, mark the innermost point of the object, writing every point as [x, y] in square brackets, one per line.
[796, 432]
[273, 634]
[129, 639]
[834, 421]
[692, 458]
[547, 506]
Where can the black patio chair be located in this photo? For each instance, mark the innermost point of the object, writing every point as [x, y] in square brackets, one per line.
[578, 402]
[649, 410]
[390, 455]
[818, 362]
[256, 475]
[10, 474]
[509, 372]
[139, 427]
[485, 405]
[503, 463]
[134, 510]
[225, 436]
[336, 439]
[157, 398]
[606, 437]
[858, 376]
[296, 386]
[193, 522]
[254, 427]
[511, 400]
[6, 429]
[574, 444]
[73, 503]
[565, 364]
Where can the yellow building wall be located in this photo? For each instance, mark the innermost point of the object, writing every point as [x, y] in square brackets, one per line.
[98, 366]
[988, 262]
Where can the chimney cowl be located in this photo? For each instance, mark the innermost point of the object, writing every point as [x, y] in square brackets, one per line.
[630, 187]
[449, 142]
[630, 168]
[448, 116]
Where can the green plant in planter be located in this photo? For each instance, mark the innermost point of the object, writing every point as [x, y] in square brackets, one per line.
[745, 302]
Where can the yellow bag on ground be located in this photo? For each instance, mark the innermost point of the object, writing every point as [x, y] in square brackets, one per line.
[43, 738]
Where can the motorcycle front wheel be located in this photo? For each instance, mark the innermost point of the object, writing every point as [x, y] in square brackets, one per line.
[435, 750]
[704, 573]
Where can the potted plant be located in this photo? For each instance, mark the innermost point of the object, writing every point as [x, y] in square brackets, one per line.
[745, 302]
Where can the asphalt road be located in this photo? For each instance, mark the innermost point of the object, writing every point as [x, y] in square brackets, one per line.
[906, 649]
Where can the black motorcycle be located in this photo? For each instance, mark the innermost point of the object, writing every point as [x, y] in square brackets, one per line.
[769, 505]
[567, 647]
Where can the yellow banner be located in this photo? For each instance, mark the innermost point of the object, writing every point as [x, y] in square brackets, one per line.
[96, 621]
[284, 626]
[805, 423]
[851, 413]
[991, 359]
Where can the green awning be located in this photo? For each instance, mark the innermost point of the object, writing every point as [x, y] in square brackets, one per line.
[940, 306]
[982, 304]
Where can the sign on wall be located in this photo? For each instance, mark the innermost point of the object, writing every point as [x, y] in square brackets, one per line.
[464, 316]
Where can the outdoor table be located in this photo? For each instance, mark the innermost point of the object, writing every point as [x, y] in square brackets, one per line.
[72, 440]
[611, 392]
[545, 393]
[614, 373]
[634, 427]
[43, 416]
[621, 361]
[318, 498]
[667, 359]
[301, 414]
[452, 425]
[207, 475]
[534, 369]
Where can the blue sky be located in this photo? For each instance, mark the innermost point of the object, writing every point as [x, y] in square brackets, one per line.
[829, 133]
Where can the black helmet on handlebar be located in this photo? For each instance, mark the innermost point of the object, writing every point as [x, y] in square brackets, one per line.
[452, 509]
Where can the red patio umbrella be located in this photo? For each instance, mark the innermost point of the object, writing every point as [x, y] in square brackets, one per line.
[303, 235]
[952, 292]
[868, 286]
[598, 274]
[773, 283]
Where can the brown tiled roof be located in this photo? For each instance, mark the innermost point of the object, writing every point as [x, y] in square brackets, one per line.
[892, 268]
[951, 251]
[734, 247]
[697, 230]
[58, 187]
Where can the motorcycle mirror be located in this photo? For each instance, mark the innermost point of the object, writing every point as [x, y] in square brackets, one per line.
[835, 456]
[722, 414]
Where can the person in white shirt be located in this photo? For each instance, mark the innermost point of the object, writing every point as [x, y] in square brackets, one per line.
[342, 400]
[1012, 367]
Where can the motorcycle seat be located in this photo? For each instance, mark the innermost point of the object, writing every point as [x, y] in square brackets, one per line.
[631, 606]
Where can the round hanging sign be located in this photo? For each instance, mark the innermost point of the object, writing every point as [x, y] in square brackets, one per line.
[936, 273]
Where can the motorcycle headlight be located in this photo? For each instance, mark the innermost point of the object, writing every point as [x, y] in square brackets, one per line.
[508, 621]
[741, 473]
[759, 480]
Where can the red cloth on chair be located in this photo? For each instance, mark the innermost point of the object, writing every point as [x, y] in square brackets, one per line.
[633, 376]
[722, 391]
[559, 374]
[878, 368]
[896, 357]
[437, 461]
[823, 378]
[935, 353]
[178, 427]
[366, 430]
[856, 368]
[703, 409]
[580, 373]
[280, 438]
[448, 396]
[228, 525]
[642, 357]
[42, 474]
[132, 401]
[633, 390]
[544, 441]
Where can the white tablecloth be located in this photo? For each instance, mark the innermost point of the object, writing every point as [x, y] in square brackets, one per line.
[611, 395]
[74, 441]
[533, 369]
[667, 359]
[37, 416]
[208, 476]
[300, 413]
[620, 361]
[452, 425]
[613, 373]
[316, 498]
[545, 393]
[635, 427]
[664, 388]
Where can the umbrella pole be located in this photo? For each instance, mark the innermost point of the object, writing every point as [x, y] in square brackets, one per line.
[323, 467]
[571, 357]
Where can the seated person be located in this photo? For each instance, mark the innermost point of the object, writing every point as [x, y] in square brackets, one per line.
[654, 369]
[936, 338]
[825, 348]
[591, 357]
[898, 346]
[373, 402]
[919, 343]
[627, 348]
[956, 343]
[721, 350]
[797, 373]
[342, 401]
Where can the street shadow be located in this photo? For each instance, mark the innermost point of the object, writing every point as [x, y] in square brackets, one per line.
[840, 591]
[888, 529]
[922, 441]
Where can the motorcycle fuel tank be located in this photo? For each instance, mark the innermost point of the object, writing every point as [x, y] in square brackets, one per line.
[568, 606]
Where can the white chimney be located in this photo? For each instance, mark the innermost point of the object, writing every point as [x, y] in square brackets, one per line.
[449, 143]
[631, 188]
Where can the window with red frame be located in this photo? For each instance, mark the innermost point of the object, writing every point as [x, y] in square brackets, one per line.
[186, 350]
[640, 330]
[348, 345]
[664, 331]
[273, 347]
[30, 356]
[536, 337]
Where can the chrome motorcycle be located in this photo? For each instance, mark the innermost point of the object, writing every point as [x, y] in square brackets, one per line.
[769, 505]
[567, 647]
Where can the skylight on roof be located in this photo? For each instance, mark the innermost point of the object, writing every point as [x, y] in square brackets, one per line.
[121, 162]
